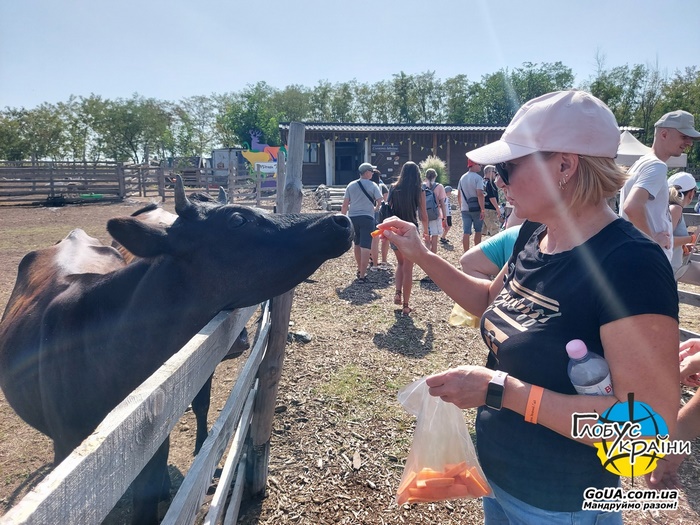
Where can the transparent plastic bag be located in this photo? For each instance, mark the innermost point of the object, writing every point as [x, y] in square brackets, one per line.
[442, 462]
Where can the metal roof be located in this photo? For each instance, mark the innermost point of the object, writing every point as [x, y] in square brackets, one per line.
[362, 127]
[369, 127]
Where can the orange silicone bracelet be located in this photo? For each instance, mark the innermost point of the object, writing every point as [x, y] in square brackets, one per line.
[532, 409]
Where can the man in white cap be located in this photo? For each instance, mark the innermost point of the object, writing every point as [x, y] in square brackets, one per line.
[644, 197]
[361, 201]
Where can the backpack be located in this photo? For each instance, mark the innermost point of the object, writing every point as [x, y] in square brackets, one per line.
[431, 204]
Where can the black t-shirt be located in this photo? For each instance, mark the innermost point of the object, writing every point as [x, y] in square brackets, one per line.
[491, 190]
[547, 301]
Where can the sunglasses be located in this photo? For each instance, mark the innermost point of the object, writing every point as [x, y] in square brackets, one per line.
[503, 172]
[505, 169]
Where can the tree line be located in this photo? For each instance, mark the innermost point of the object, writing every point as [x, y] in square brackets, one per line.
[95, 129]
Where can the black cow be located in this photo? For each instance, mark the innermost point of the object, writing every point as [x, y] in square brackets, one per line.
[82, 329]
[156, 216]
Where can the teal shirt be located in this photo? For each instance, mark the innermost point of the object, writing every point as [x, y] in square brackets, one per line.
[499, 248]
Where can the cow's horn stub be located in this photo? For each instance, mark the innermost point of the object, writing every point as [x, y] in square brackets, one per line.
[183, 206]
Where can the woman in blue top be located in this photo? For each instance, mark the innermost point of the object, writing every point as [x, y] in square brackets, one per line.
[584, 274]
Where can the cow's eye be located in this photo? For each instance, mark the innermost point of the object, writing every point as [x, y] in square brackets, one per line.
[236, 220]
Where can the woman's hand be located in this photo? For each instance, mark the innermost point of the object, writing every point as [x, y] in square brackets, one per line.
[464, 386]
[404, 235]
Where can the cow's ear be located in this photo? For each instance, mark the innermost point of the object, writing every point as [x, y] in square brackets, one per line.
[141, 239]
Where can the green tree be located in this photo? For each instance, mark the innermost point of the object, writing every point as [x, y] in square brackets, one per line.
[428, 96]
[196, 117]
[456, 110]
[223, 134]
[321, 97]
[533, 80]
[130, 126]
[251, 111]
[342, 102]
[13, 145]
[375, 102]
[405, 102]
[43, 129]
[293, 103]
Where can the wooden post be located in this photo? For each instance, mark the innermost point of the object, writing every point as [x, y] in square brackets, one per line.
[119, 169]
[232, 167]
[281, 180]
[160, 171]
[271, 367]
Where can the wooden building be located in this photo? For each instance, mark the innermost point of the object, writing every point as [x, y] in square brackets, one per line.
[333, 152]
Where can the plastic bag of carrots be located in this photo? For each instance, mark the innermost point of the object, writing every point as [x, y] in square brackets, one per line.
[442, 462]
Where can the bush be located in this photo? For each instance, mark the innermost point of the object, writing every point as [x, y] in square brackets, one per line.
[438, 165]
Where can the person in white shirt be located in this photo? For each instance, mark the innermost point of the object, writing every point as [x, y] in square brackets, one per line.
[644, 197]
[361, 201]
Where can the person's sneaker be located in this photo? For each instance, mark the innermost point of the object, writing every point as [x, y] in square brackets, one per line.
[374, 268]
[444, 241]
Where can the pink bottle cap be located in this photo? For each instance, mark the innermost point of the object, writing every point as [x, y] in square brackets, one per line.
[576, 349]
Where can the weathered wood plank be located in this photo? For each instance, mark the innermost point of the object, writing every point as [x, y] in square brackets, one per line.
[690, 298]
[188, 499]
[218, 502]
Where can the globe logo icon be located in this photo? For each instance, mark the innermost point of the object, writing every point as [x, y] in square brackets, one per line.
[635, 450]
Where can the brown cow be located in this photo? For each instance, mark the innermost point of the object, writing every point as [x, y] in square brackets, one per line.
[82, 329]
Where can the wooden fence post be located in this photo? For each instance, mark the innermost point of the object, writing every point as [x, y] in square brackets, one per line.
[281, 180]
[232, 168]
[160, 174]
[271, 367]
[119, 170]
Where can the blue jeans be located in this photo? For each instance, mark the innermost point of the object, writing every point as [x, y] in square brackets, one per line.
[504, 509]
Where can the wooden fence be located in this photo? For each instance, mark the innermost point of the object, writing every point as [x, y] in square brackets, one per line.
[86, 485]
[58, 183]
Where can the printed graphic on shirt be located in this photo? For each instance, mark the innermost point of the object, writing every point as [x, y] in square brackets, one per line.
[521, 308]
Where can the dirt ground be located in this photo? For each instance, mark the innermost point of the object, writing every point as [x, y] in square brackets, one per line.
[340, 438]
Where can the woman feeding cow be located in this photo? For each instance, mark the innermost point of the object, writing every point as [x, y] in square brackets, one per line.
[584, 274]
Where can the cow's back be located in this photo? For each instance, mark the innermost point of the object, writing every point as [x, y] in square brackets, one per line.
[42, 276]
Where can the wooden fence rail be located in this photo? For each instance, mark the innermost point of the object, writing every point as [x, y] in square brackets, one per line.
[79, 490]
[70, 183]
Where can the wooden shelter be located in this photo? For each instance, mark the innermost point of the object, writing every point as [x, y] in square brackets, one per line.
[333, 152]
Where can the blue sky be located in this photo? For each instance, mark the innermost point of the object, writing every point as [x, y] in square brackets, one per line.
[171, 49]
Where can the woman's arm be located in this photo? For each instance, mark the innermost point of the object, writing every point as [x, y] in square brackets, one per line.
[641, 352]
[676, 214]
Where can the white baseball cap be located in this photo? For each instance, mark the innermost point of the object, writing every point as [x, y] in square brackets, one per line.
[560, 122]
[684, 180]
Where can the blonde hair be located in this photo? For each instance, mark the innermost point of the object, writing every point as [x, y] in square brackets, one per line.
[675, 195]
[598, 179]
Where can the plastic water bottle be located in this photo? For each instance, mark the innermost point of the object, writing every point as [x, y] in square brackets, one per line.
[589, 373]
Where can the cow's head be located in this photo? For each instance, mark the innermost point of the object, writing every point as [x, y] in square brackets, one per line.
[240, 252]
